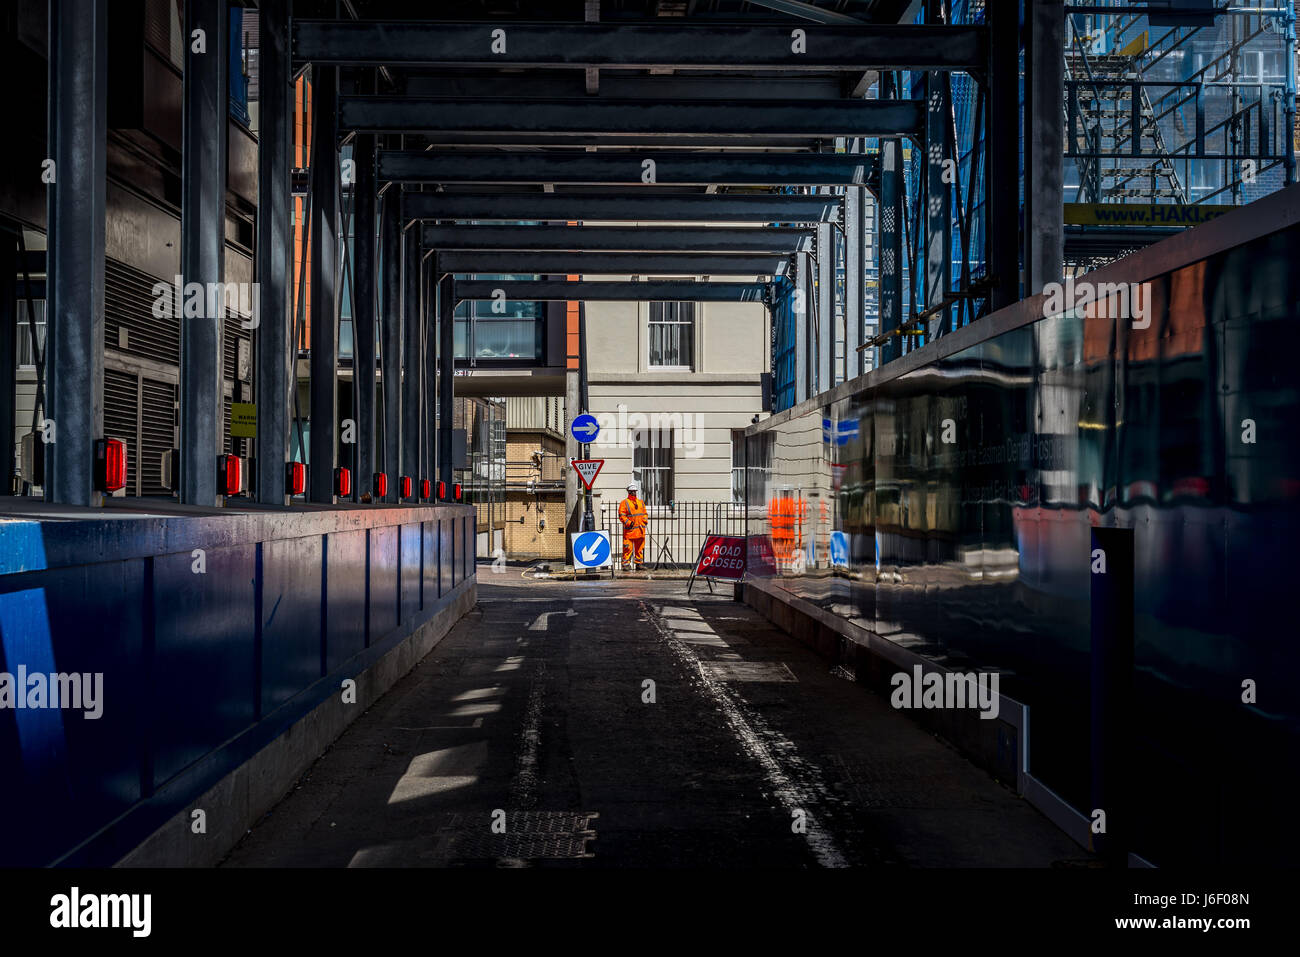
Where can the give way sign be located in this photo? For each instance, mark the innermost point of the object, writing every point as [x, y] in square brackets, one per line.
[588, 469]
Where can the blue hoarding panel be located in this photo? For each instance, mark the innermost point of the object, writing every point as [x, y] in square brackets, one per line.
[291, 618]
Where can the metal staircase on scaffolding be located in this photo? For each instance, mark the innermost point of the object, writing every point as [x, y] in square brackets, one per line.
[1124, 154]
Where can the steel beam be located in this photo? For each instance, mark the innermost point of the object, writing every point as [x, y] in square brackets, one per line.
[652, 290]
[613, 264]
[274, 356]
[446, 377]
[390, 336]
[642, 205]
[695, 239]
[363, 309]
[412, 398]
[203, 246]
[614, 117]
[324, 265]
[849, 45]
[626, 168]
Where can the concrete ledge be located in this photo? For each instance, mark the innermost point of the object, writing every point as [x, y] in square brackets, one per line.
[242, 797]
[998, 745]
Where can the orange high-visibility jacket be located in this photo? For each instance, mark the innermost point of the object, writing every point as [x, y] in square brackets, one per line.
[631, 512]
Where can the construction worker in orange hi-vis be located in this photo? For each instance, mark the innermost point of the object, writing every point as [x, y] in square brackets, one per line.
[631, 512]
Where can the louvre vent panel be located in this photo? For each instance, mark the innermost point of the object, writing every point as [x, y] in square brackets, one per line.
[128, 303]
[121, 405]
[158, 428]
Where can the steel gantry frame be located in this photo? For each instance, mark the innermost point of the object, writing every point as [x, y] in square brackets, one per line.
[399, 126]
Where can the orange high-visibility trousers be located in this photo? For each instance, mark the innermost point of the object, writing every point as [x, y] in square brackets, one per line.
[633, 545]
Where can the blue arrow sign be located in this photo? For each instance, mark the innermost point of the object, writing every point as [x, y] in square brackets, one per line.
[585, 428]
[591, 550]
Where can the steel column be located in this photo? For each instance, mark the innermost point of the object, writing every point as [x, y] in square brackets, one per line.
[429, 368]
[938, 204]
[8, 353]
[854, 278]
[627, 168]
[800, 320]
[446, 377]
[363, 308]
[825, 339]
[203, 233]
[1044, 162]
[324, 267]
[412, 399]
[1002, 182]
[390, 333]
[889, 226]
[275, 365]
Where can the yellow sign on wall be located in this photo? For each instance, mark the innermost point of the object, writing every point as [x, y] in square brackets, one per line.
[1142, 214]
[243, 420]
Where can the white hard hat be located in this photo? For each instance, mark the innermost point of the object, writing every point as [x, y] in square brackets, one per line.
[633, 487]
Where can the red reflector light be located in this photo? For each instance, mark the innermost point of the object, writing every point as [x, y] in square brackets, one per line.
[442, 491]
[230, 474]
[342, 481]
[404, 487]
[110, 465]
[381, 484]
[426, 489]
[295, 478]
[456, 491]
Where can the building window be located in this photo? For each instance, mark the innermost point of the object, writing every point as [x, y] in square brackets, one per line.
[760, 466]
[672, 335]
[652, 464]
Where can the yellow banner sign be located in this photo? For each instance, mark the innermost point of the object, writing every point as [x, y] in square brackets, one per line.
[1141, 214]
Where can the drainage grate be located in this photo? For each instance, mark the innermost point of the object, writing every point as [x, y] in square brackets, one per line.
[529, 835]
[748, 670]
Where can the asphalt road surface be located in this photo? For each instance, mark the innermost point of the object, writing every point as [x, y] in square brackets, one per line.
[621, 724]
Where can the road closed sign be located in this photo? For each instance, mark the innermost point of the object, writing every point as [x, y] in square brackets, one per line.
[722, 556]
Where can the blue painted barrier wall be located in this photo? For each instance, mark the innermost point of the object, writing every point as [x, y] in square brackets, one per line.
[213, 630]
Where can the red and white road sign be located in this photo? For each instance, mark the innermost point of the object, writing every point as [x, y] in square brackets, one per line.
[588, 469]
[722, 556]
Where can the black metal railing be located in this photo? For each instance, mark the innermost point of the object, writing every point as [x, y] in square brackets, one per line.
[675, 532]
